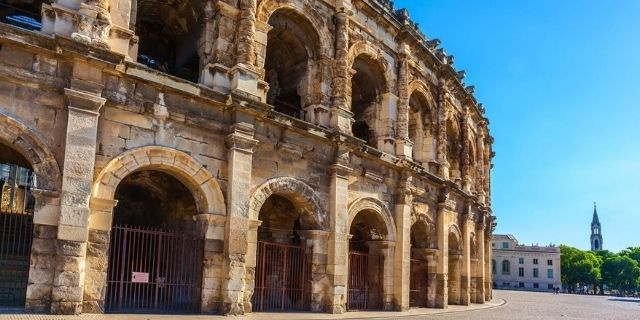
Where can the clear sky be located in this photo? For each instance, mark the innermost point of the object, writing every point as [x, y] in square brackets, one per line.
[559, 80]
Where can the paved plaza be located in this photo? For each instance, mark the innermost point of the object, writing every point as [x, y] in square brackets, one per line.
[506, 305]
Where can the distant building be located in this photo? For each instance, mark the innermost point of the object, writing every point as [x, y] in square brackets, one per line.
[596, 231]
[516, 266]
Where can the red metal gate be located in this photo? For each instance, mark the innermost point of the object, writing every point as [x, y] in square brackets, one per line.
[365, 281]
[282, 281]
[154, 271]
[418, 283]
[16, 232]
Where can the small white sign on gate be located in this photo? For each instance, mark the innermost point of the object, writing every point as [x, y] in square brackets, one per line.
[140, 277]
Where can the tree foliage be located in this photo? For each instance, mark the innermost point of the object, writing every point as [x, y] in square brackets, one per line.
[598, 269]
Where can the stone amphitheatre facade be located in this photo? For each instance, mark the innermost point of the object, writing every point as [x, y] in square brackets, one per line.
[307, 155]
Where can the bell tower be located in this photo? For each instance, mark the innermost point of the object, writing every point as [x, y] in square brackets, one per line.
[596, 231]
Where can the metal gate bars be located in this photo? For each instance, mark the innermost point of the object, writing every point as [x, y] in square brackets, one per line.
[154, 271]
[365, 281]
[418, 283]
[282, 278]
[16, 230]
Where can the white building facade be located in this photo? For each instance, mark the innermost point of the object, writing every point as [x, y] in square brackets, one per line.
[516, 266]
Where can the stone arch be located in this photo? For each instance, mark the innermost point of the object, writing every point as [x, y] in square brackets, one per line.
[375, 54]
[379, 208]
[455, 231]
[303, 197]
[418, 86]
[31, 146]
[203, 186]
[267, 7]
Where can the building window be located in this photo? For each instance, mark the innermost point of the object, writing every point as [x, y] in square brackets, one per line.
[506, 268]
[549, 262]
[535, 261]
[505, 245]
[520, 272]
[521, 284]
[493, 266]
[535, 286]
[550, 286]
[550, 273]
[535, 272]
[493, 244]
[521, 260]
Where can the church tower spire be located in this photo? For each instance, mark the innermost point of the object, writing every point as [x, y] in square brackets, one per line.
[596, 231]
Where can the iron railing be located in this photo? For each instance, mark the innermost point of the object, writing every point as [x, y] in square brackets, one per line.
[365, 281]
[16, 233]
[154, 271]
[282, 280]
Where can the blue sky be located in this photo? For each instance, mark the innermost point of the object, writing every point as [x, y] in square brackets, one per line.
[559, 80]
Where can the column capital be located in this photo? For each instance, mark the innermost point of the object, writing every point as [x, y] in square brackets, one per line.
[84, 102]
[241, 138]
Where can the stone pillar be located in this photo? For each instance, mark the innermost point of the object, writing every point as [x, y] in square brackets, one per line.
[488, 276]
[466, 150]
[384, 129]
[122, 37]
[404, 147]
[481, 263]
[240, 144]
[245, 75]
[402, 263]
[442, 130]
[465, 272]
[220, 31]
[95, 279]
[316, 242]
[211, 228]
[432, 277]
[42, 266]
[341, 116]
[480, 169]
[338, 251]
[79, 160]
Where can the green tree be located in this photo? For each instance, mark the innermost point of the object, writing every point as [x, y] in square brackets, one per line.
[579, 267]
[621, 272]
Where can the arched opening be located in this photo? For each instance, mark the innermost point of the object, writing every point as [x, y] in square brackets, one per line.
[155, 254]
[596, 244]
[422, 128]
[16, 226]
[169, 33]
[367, 86]
[282, 280]
[292, 49]
[454, 149]
[455, 260]
[419, 270]
[25, 14]
[366, 261]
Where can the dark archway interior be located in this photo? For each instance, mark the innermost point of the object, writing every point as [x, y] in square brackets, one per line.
[366, 86]
[154, 199]
[16, 181]
[169, 32]
[291, 44]
[366, 226]
[280, 221]
[420, 235]
[22, 13]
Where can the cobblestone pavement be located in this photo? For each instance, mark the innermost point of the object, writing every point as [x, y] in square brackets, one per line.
[519, 305]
